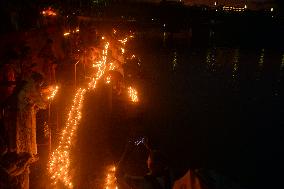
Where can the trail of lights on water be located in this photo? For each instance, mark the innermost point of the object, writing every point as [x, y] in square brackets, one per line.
[59, 163]
[60, 159]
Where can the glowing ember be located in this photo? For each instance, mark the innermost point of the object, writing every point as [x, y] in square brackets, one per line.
[133, 94]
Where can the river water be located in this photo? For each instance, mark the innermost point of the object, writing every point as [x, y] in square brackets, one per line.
[206, 100]
[213, 105]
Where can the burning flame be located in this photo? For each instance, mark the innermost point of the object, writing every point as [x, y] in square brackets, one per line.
[122, 50]
[101, 68]
[60, 159]
[59, 163]
[111, 66]
[123, 41]
[133, 94]
[108, 79]
[66, 33]
[53, 93]
[110, 182]
[48, 12]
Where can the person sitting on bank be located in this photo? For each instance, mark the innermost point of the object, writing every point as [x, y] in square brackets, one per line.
[158, 177]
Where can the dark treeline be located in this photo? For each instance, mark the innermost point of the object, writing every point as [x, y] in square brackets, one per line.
[25, 12]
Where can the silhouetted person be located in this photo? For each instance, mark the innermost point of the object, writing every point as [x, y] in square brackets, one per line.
[158, 177]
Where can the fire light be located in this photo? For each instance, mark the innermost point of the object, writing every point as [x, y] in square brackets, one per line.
[66, 33]
[48, 12]
[59, 163]
[53, 93]
[111, 66]
[108, 79]
[122, 50]
[110, 182]
[123, 41]
[101, 68]
[133, 94]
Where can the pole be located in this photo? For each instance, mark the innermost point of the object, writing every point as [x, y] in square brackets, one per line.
[84, 65]
[75, 73]
[49, 129]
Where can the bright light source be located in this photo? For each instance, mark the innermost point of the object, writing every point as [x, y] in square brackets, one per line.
[53, 92]
[246, 6]
[108, 80]
[133, 94]
[272, 9]
[67, 33]
[48, 12]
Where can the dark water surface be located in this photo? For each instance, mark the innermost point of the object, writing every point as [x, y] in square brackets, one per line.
[216, 107]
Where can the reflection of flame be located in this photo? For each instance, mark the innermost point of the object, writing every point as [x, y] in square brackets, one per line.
[133, 94]
[110, 182]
